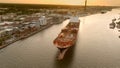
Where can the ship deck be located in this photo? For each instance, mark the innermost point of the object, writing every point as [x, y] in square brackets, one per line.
[67, 36]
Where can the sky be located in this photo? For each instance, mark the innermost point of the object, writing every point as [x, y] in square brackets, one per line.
[66, 2]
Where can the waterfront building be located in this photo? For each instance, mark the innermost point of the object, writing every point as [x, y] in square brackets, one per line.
[43, 20]
[6, 23]
[35, 23]
[6, 32]
[9, 31]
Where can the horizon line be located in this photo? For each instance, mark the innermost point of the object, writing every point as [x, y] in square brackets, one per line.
[57, 4]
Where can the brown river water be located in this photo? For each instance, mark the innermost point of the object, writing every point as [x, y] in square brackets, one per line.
[97, 46]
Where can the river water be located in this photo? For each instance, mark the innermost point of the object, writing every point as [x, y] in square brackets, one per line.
[97, 47]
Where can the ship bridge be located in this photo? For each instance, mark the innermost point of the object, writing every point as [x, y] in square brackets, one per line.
[74, 19]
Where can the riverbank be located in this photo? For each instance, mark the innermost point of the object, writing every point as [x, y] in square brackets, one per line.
[47, 26]
[30, 34]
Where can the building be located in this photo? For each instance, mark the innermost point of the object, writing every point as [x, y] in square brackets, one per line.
[6, 23]
[42, 20]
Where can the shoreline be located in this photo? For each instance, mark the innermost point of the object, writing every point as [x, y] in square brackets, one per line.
[31, 34]
[43, 28]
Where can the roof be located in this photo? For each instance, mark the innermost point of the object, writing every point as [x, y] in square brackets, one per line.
[74, 19]
[3, 23]
[8, 29]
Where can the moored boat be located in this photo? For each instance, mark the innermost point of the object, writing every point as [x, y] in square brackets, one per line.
[112, 25]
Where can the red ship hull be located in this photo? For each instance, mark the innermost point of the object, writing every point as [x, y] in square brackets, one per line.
[67, 37]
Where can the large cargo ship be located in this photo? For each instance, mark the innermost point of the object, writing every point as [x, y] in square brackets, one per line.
[67, 36]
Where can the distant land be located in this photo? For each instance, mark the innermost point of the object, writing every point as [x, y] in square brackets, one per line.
[34, 8]
[37, 6]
